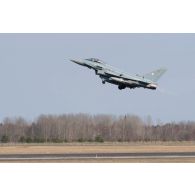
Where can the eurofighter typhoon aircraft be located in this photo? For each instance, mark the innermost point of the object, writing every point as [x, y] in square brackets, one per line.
[111, 75]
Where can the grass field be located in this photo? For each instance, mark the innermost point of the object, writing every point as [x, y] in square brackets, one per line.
[104, 147]
[95, 148]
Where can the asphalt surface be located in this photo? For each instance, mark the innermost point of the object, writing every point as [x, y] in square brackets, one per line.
[74, 156]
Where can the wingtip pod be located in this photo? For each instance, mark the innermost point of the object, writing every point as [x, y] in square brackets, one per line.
[155, 75]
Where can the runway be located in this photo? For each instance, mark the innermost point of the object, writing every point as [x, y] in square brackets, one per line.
[85, 156]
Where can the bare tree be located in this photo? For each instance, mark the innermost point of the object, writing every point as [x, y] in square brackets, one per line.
[85, 127]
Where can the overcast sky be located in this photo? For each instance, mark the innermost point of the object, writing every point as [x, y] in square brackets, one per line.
[37, 77]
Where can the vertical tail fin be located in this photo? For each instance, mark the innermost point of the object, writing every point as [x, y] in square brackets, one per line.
[155, 75]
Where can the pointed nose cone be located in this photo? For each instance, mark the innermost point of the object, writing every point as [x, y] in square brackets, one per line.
[77, 61]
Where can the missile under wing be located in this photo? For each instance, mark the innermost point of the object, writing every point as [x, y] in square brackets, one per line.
[109, 74]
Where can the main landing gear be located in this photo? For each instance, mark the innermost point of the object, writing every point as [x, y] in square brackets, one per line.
[120, 87]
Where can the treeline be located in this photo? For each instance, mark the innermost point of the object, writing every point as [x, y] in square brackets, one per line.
[89, 128]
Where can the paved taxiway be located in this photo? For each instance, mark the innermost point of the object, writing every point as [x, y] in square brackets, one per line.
[75, 156]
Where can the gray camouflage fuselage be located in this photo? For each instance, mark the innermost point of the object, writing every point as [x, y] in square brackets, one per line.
[123, 80]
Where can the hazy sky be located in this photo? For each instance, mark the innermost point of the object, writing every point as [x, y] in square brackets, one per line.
[36, 76]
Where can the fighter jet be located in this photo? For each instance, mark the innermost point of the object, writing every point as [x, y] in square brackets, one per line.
[114, 76]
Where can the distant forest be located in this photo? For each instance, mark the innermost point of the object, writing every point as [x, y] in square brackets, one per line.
[92, 128]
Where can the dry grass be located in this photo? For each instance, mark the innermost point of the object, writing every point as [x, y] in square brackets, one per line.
[98, 148]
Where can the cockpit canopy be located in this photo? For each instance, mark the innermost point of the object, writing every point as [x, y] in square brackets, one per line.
[96, 60]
